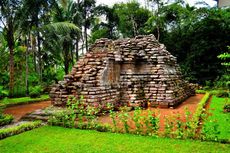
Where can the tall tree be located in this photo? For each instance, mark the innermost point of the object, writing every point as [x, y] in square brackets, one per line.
[156, 8]
[87, 7]
[105, 28]
[132, 18]
[63, 30]
[8, 17]
[77, 20]
[4, 62]
[34, 20]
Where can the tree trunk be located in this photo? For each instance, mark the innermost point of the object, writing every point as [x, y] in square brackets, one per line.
[39, 50]
[66, 57]
[157, 14]
[77, 40]
[82, 46]
[77, 56]
[10, 41]
[85, 27]
[158, 33]
[39, 57]
[33, 44]
[27, 68]
[71, 51]
[134, 26]
[86, 38]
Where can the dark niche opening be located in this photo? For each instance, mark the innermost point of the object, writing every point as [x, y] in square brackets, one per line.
[111, 75]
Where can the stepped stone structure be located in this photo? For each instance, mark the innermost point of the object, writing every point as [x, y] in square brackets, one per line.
[133, 72]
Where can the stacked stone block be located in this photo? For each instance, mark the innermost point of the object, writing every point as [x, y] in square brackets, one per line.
[130, 72]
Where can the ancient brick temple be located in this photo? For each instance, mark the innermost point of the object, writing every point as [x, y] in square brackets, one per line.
[130, 72]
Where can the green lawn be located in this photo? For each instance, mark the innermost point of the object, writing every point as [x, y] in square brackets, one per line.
[58, 139]
[15, 101]
[218, 117]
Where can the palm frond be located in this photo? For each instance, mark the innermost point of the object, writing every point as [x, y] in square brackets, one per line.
[62, 28]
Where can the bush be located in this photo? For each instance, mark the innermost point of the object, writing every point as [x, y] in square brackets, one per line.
[35, 92]
[5, 119]
[208, 85]
[227, 108]
[65, 118]
[3, 93]
[200, 109]
[103, 128]
[223, 94]
[19, 129]
[223, 82]
[220, 93]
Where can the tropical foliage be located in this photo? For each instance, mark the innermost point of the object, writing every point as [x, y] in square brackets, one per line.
[38, 47]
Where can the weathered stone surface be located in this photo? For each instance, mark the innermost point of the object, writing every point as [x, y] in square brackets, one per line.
[125, 72]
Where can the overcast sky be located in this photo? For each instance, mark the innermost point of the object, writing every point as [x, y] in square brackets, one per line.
[111, 2]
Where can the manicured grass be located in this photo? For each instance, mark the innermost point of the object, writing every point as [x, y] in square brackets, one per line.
[58, 140]
[218, 117]
[16, 101]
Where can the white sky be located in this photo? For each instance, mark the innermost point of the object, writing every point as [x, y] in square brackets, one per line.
[191, 2]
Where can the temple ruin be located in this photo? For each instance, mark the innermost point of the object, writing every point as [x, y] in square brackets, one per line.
[133, 72]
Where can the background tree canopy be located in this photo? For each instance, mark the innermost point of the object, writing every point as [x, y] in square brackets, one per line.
[38, 47]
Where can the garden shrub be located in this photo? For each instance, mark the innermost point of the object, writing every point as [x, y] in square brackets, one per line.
[137, 118]
[5, 119]
[124, 117]
[63, 118]
[176, 128]
[75, 114]
[208, 85]
[223, 94]
[147, 122]
[179, 132]
[190, 125]
[169, 125]
[223, 82]
[35, 92]
[154, 119]
[226, 108]
[3, 93]
[81, 125]
[112, 115]
[103, 127]
[200, 108]
[19, 129]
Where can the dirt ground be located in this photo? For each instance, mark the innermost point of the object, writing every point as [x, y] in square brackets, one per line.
[21, 110]
[191, 104]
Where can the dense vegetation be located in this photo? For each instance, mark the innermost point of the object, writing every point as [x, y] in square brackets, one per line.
[40, 40]
[58, 139]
